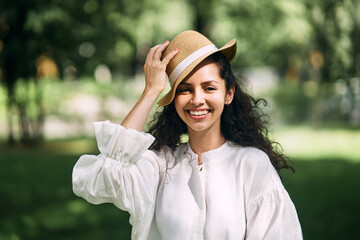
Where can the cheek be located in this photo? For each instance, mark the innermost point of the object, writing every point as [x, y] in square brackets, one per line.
[179, 104]
[218, 100]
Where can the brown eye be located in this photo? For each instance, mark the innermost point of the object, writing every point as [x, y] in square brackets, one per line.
[210, 88]
[182, 90]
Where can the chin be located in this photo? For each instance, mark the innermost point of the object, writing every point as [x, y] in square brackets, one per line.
[199, 127]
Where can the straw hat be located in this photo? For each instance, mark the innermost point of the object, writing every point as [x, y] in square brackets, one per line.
[193, 48]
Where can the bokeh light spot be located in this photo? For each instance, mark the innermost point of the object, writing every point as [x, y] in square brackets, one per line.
[87, 49]
[90, 6]
[103, 74]
[46, 67]
[316, 59]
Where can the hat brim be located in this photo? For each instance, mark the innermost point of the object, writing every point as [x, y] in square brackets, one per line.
[229, 50]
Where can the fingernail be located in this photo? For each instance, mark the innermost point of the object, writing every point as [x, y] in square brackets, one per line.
[176, 49]
[166, 41]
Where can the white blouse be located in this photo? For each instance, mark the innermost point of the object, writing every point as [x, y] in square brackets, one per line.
[235, 194]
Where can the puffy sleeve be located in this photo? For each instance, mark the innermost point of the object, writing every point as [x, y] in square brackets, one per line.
[125, 173]
[270, 213]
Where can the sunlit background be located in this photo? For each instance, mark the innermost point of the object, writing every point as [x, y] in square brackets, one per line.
[65, 64]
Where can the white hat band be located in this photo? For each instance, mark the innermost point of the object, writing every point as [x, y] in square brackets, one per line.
[187, 61]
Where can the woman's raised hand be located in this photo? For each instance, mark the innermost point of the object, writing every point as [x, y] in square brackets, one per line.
[154, 68]
[155, 78]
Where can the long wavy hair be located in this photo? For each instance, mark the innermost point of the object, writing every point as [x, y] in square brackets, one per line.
[242, 121]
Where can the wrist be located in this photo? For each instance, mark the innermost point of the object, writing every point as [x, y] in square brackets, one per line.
[150, 95]
[152, 92]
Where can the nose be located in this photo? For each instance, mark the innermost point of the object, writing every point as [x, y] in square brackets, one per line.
[197, 98]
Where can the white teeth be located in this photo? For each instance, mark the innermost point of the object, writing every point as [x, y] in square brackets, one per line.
[198, 113]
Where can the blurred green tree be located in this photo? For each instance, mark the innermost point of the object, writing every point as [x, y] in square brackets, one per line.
[76, 37]
[303, 40]
[73, 36]
[30, 33]
[334, 51]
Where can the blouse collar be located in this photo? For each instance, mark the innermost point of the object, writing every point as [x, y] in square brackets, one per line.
[217, 153]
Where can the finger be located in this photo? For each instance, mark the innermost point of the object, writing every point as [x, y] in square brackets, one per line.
[160, 49]
[151, 52]
[168, 57]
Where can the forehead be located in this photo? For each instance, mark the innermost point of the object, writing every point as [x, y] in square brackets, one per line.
[205, 71]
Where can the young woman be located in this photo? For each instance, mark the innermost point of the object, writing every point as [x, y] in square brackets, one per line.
[221, 184]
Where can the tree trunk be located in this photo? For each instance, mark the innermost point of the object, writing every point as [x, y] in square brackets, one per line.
[38, 126]
[9, 106]
[203, 18]
[25, 134]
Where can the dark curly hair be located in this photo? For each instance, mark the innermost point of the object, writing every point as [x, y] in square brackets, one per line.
[242, 122]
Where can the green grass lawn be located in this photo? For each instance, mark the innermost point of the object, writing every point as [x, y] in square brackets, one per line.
[327, 197]
[310, 144]
[37, 201]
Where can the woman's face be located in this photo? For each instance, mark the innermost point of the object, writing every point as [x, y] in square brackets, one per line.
[200, 98]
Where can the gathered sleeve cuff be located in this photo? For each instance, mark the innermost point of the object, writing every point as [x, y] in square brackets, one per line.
[118, 143]
[273, 216]
[125, 173]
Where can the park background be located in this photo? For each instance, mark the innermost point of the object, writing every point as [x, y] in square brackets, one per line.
[65, 64]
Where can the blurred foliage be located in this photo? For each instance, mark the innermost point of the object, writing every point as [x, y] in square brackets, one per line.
[294, 105]
[304, 41]
[312, 102]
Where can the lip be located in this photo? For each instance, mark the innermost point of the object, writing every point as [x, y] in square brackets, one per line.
[198, 117]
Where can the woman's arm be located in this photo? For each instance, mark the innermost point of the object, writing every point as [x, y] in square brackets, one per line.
[125, 173]
[155, 78]
[270, 213]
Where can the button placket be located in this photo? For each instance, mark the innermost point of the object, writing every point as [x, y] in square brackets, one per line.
[200, 167]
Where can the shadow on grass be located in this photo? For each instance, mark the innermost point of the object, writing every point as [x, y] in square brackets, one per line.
[326, 194]
[37, 202]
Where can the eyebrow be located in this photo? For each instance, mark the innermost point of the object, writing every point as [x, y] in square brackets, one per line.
[203, 83]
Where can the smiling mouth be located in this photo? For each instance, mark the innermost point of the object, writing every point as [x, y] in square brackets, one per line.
[198, 113]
